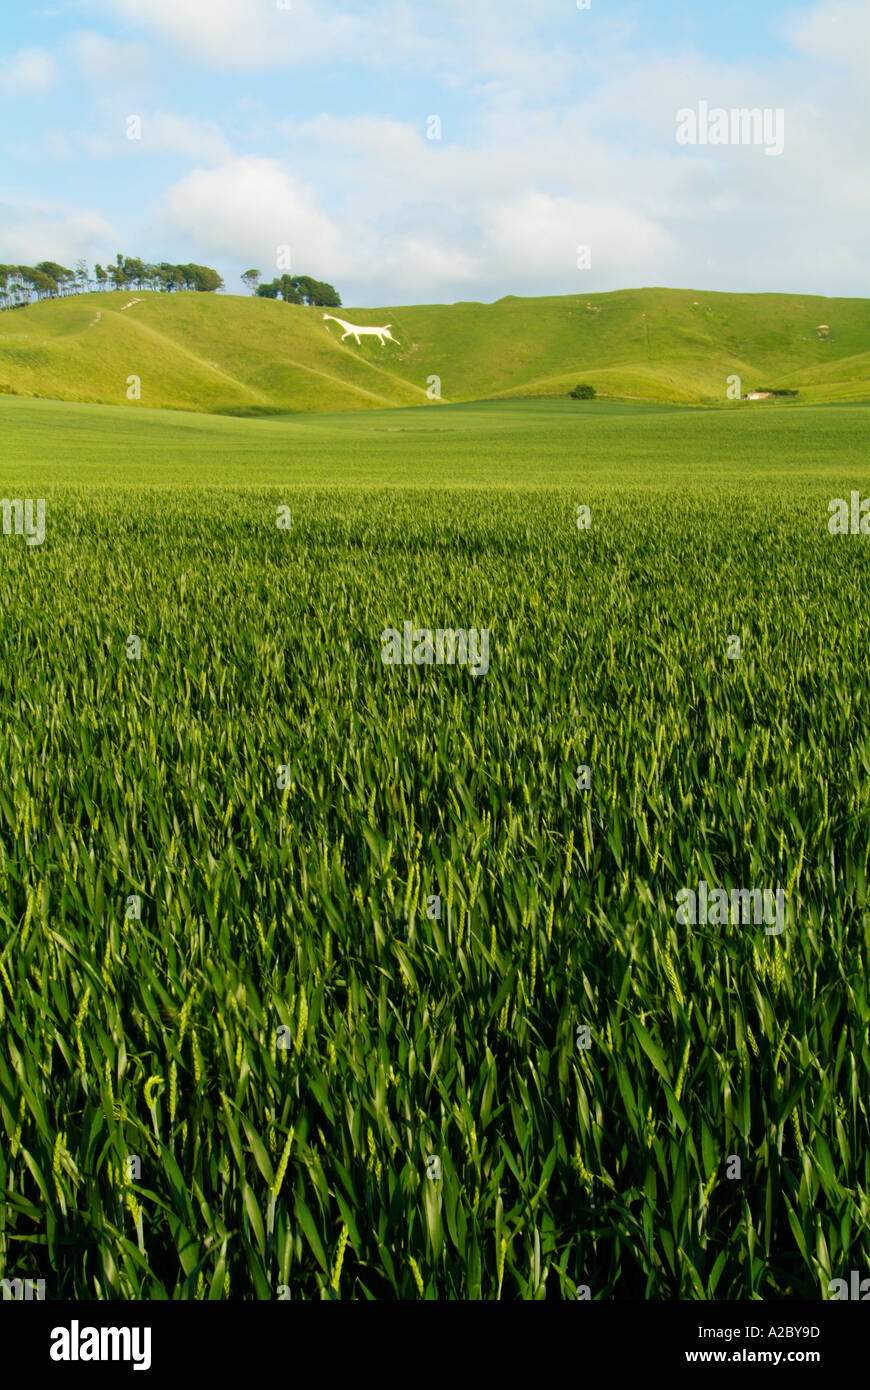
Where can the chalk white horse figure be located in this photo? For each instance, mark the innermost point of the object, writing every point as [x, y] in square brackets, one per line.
[355, 330]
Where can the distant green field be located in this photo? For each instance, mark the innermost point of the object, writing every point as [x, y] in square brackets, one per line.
[302, 912]
[249, 356]
[528, 444]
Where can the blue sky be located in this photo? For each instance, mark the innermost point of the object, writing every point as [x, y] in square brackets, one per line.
[307, 126]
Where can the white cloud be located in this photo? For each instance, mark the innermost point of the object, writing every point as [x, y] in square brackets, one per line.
[835, 31]
[462, 44]
[162, 132]
[516, 206]
[421, 267]
[38, 230]
[425, 223]
[241, 34]
[31, 70]
[536, 236]
[107, 62]
[185, 135]
[247, 208]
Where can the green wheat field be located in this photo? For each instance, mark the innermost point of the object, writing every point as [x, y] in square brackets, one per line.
[156, 1141]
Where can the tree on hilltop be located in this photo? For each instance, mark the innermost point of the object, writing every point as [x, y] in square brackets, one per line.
[318, 292]
[41, 284]
[58, 273]
[135, 271]
[201, 278]
[117, 273]
[290, 290]
[170, 277]
[301, 289]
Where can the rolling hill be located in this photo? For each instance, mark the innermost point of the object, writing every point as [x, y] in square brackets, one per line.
[246, 356]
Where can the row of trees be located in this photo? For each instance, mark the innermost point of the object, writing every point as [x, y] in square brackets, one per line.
[294, 289]
[21, 284]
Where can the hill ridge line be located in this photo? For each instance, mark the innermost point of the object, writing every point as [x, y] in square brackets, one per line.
[228, 354]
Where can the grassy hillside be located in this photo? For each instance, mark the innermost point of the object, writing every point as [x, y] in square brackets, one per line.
[227, 354]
